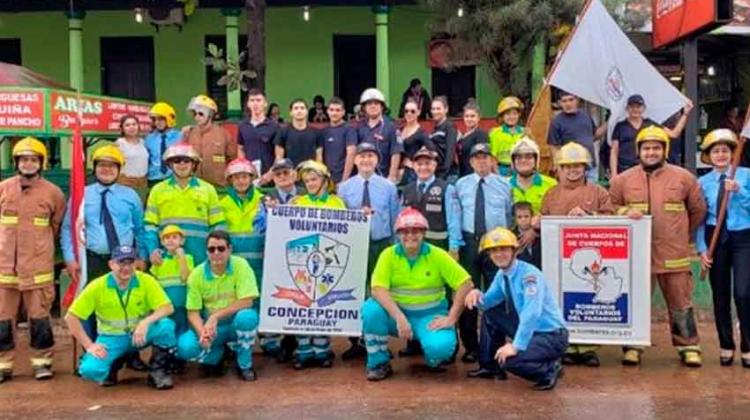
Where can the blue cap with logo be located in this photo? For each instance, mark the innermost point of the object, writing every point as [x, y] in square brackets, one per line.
[480, 148]
[124, 253]
[365, 147]
[281, 164]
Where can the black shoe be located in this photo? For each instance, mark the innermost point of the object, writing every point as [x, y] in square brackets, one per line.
[302, 364]
[727, 361]
[111, 379]
[213, 371]
[487, 374]
[745, 363]
[134, 362]
[327, 363]
[589, 359]
[355, 351]
[379, 373]
[413, 348]
[157, 375]
[5, 375]
[247, 375]
[285, 355]
[570, 359]
[550, 382]
[469, 357]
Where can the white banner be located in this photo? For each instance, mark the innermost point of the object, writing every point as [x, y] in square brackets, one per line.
[314, 271]
[600, 273]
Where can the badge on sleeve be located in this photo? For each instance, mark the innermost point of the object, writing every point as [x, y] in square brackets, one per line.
[529, 285]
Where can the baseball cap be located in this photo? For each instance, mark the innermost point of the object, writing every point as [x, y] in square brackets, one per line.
[282, 164]
[424, 152]
[636, 100]
[366, 147]
[123, 253]
[480, 148]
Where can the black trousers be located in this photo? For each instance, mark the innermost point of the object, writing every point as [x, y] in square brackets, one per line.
[730, 277]
[482, 271]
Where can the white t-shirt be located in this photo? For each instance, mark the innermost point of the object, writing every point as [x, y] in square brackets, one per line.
[136, 158]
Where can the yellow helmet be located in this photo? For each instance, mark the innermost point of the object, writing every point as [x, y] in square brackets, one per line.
[653, 133]
[171, 229]
[202, 103]
[496, 238]
[164, 110]
[109, 153]
[318, 168]
[525, 145]
[573, 153]
[718, 136]
[30, 146]
[508, 103]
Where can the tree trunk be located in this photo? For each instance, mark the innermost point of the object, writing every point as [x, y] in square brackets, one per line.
[256, 42]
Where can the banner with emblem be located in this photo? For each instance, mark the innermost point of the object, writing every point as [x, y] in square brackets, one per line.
[314, 271]
[599, 270]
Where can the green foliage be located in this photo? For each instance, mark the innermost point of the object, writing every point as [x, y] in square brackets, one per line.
[233, 76]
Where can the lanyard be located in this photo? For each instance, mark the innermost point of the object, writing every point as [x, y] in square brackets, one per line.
[124, 306]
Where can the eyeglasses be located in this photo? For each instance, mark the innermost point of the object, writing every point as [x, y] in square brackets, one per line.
[410, 111]
[181, 160]
[411, 231]
[215, 249]
[200, 114]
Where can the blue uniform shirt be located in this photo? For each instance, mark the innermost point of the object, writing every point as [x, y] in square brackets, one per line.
[153, 146]
[383, 198]
[497, 201]
[126, 209]
[738, 208]
[452, 214]
[536, 306]
[383, 136]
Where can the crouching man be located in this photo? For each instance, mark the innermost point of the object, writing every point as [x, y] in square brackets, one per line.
[132, 312]
[518, 306]
[408, 298]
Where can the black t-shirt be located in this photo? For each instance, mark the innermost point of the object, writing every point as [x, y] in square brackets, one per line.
[335, 141]
[415, 142]
[299, 145]
[258, 140]
[625, 135]
[464, 149]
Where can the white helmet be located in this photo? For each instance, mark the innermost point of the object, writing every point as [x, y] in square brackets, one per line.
[372, 94]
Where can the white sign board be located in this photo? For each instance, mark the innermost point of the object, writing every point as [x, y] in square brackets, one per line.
[600, 273]
[314, 270]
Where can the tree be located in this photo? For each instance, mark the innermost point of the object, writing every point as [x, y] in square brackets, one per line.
[256, 42]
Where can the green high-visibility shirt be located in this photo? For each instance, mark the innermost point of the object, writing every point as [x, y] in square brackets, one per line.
[208, 292]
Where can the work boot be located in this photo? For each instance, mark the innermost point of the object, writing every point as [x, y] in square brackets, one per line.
[589, 358]
[570, 359]
[483, 373]
[303, 364]
[355, 351]
[550, 382]
[133, 362]
[286, 353]
[379, 373]
[157, 375]
[247, 375]
[5, 375]
[43, 372]
[692, 358]
[327, 362]
[413, 348]
[470, 357]
[111, 379]
[631, 357]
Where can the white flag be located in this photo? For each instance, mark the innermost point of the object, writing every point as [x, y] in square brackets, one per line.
[602, 66]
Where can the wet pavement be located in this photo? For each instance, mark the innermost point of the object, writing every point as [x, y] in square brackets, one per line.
[660, 388]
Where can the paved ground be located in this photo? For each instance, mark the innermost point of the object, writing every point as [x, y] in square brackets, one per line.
[658, 389]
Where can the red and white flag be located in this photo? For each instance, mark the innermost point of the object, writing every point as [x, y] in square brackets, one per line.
[77, 225]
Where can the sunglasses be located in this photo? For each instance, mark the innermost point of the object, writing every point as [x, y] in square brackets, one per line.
[215, 249]
[411, 231]
[201, 114]
[181, 160]
[410, 111]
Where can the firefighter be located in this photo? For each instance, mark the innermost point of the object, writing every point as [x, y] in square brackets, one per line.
[183, 200]
[728, 266]
[211, 142]
[576, 197]
[522, 329]
[503, 137]
[132, 311]
[672, 196]
[31, 211]
[163, 120]
[408, 298]
[320, 188]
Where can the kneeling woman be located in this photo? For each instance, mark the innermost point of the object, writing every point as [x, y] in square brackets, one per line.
[729, 267]
[518, 306]
[408, 298]
[319, 185]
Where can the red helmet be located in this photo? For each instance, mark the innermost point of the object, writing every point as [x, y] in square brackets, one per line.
[411, 218]
[238, 166]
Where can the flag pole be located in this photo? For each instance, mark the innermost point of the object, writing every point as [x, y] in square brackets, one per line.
[720, 218]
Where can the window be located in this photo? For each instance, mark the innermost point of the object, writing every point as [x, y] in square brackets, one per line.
[457, 84]
[128, 67]
[10, 50]
[216, 92]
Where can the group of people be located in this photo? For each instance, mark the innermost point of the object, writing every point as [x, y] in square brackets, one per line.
[182, 273]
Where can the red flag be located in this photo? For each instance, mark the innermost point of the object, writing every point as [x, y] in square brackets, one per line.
[77, 185]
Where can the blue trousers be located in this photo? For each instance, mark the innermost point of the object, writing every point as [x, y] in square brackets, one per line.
[316, 347]
[238, 332]
[535, 363]
[160, 334]
[178, 295]
[438, 345]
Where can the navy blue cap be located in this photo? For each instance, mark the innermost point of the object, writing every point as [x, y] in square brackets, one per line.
[124, 252]
[424, 151]
[366, 147]
[283, 163]
[480, 148]
[636, 100]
